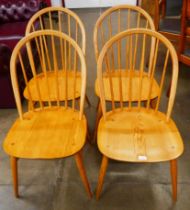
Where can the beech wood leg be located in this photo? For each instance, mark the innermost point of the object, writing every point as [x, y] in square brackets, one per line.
[102, 173]
[173, 170]
[80, 166]
[14, 175]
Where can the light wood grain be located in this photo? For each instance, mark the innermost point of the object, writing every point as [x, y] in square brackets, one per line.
[128, 135]
[50, 130]
[51, 95]
[130, 11]
[60, 11]
[125, 86]
[134, 133]
[52, 133]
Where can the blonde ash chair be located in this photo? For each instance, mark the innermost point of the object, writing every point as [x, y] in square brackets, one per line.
[111, 22]
[132, 132]
[57, 128]
[59, 19]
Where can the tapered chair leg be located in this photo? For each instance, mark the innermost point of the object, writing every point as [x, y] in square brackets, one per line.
[14, 175]
[102, 173]
[79, 162]
[173, 170]
[98, 116]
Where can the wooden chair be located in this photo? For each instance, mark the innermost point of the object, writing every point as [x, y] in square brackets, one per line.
[134, 132]
[184, 53]
[111, 22]
[59, 19]
[57, 128]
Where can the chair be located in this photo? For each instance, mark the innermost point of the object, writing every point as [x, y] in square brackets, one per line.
[134, 132]
[184, 53]
[56, 128]
[111, 22]
[59, 19]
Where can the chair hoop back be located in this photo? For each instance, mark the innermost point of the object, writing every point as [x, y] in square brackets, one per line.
[129, 18]
[53, 70]
[128, 73]
[71, 28]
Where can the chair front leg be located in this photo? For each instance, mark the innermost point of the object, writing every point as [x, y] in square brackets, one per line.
[80, 166]
[14, 175]
[102, 173]
[173, 171]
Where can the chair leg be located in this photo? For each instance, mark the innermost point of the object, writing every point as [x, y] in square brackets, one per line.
[14, 175]
[80, 166]
[173, 171]
[98, 116]
[102, 173]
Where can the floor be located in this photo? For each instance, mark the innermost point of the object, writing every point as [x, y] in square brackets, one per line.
[56, 185]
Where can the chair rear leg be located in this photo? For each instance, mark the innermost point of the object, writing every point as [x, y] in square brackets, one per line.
[173, 171]
[102, 173]
[14, 175]
[80, 166]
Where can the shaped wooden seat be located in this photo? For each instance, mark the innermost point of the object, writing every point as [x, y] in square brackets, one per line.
[55, 128]
[137, 132]
[138, 136]
[115, 75]
[111, 22]
[52, 133]
[63, 20]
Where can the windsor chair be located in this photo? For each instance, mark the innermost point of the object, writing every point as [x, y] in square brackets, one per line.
[56, 128]
[111, 22]
[132, 132]
[63, 20]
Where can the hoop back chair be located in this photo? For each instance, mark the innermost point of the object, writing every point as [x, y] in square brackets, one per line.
[55, 129]
[184, 54]
[111, 22]
[59, 19]
[130, 131]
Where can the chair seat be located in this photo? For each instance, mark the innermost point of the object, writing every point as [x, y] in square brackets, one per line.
[49, 133]
[139, 136]
[51, 93]
[125, 86]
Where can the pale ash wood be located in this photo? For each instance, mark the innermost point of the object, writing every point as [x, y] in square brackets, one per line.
[126, 91]
[120, 92]
[102, 173]
[51, 94]
[173, 170]
[13, 161]
[59, 10]
[79, 162]
[74, 23]
[136, 133]
[52, 133]
[119, 8]
[48, 131]
[127, 135]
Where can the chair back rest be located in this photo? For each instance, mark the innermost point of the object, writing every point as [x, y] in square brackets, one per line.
[60, 19]
[117, 19]
[123, 69]
[51, 69]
